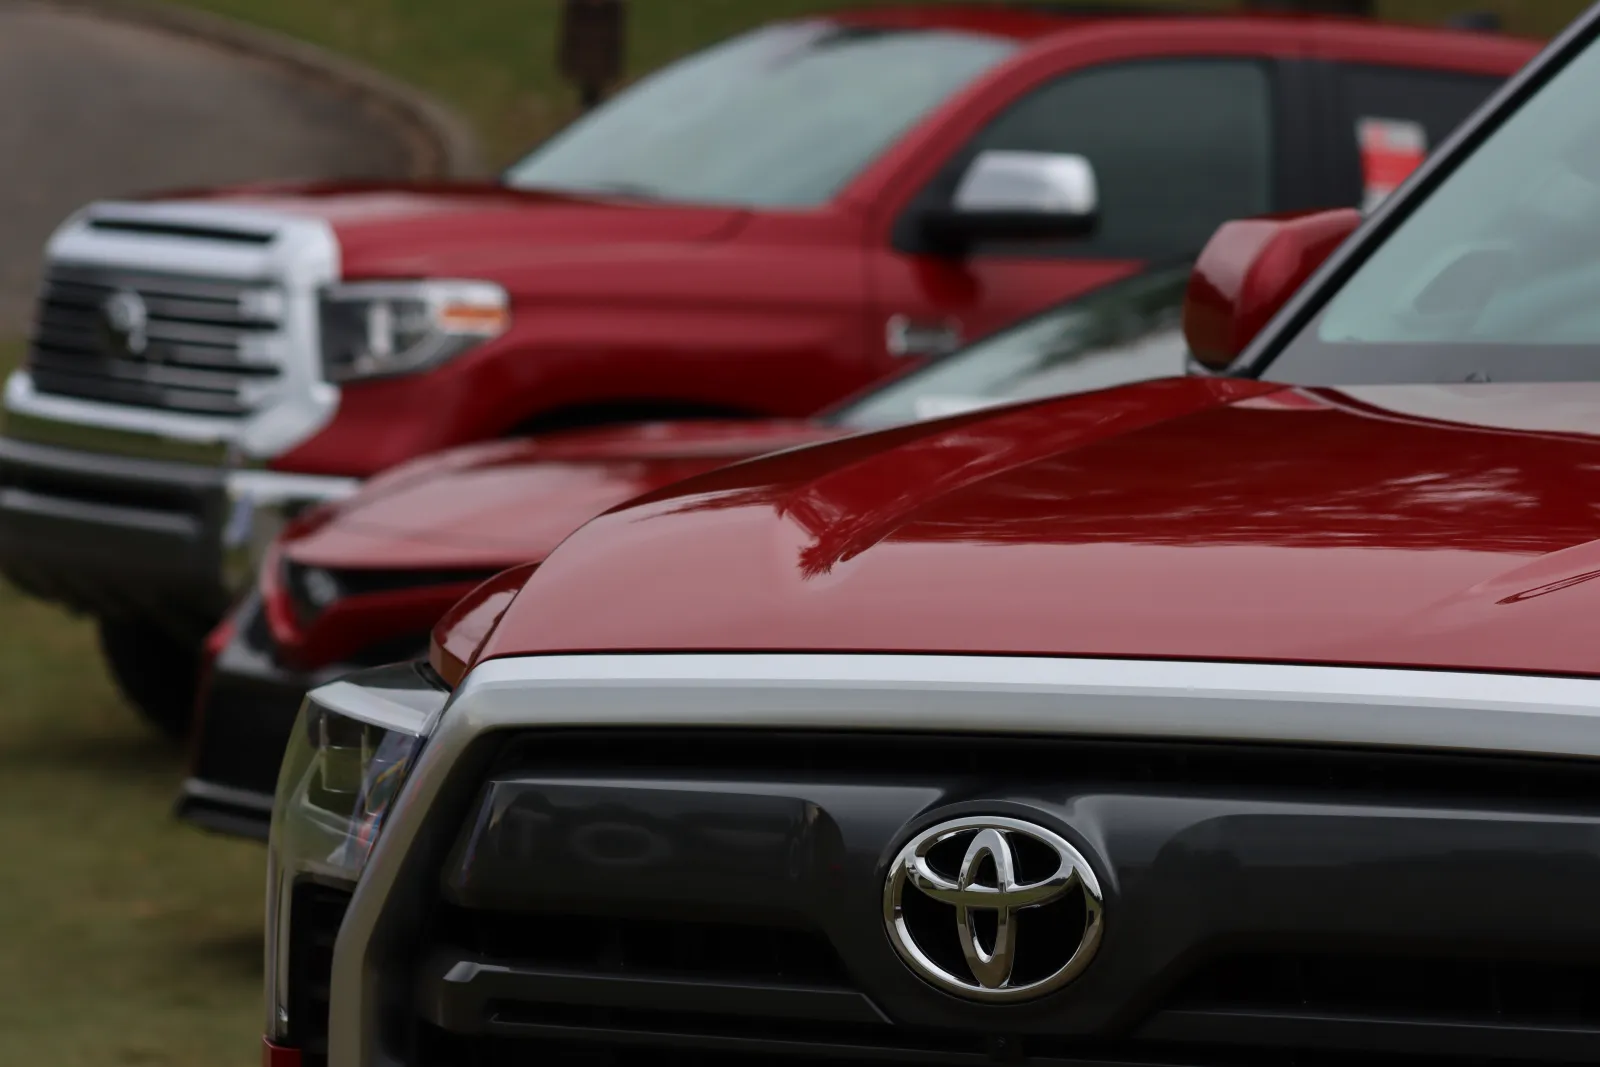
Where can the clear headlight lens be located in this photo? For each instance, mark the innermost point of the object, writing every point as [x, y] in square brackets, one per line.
[347, 758]
[352, 747]
[376, 329]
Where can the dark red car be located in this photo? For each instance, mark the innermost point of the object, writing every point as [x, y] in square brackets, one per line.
[362, 582]
[1248, 719]
[760, 229]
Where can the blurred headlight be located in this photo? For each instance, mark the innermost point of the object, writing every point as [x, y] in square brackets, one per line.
[311, 590]
[348, 757]
[377, 329]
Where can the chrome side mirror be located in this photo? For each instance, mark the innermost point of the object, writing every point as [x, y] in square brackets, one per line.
[1017, 196]
[1040, 183]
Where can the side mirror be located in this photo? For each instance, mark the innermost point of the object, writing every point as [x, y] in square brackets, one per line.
[1017, 196]
[1248, 271]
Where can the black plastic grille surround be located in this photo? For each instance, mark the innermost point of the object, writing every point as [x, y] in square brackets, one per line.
[677, 981]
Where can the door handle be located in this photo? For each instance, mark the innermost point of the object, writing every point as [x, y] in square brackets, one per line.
[909, 338]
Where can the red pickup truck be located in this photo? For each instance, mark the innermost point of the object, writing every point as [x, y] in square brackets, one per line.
[1248, 719]
[759, 229]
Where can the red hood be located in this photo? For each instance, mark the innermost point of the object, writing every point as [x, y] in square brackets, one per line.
[494, 505]
[473, 230]
[1443, 526]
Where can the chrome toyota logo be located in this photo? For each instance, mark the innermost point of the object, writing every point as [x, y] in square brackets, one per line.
[993, 909]
[126, 320]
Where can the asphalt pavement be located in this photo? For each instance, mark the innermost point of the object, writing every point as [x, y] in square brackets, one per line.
[92, 108]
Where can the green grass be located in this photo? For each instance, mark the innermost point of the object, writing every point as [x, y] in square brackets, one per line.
[128, 939]
[494, 59]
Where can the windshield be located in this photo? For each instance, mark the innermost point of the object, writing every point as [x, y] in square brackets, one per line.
[1495, 276]
[781, 117]
[1124, 333]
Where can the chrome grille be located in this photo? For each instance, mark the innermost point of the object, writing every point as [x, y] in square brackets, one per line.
[206, 344]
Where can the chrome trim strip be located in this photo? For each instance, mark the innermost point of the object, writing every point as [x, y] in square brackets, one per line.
[368, 705]
[1456, 711]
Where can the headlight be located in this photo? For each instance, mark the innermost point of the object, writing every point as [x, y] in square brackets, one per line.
[351, 749]
[311, 590]
[375, 329]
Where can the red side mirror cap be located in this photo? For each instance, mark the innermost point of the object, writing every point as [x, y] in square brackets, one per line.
[1248, 271]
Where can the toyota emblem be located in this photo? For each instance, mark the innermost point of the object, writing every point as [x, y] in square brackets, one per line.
[993, 909]
[126, 320]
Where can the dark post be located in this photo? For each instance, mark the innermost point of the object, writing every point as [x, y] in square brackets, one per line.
[591, 49]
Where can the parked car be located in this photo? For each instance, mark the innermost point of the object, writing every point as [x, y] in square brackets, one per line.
[362, 583]
[761, 229]
[1247, 718]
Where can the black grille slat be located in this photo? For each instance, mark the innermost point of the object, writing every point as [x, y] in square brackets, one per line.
[195, 330]
[640, 1040]
[135, 394]
[70, 302]
[150, 283]
[158, 374]
[77, 345]
[189, 231]
[1468, 989]
[722, 950]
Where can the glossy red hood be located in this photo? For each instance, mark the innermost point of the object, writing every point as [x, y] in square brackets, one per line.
[483, 507]
[474, 230]
[1201, 518]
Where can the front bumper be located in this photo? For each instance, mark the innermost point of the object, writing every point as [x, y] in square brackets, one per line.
[113, 535]
[154, 538]
[246, 713]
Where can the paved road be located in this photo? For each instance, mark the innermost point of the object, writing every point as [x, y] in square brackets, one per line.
[91, 109]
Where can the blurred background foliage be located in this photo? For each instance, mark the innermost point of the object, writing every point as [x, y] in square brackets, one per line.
[493, 60]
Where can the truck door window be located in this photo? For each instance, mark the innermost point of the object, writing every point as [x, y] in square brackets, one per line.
[1178, 146]
[1395, 116]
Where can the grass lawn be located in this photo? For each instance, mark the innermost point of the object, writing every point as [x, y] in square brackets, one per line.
[494, 59]
[129, 941]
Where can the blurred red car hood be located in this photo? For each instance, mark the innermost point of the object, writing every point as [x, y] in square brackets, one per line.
[411, 230]
[1439, 526]
[495, 505]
